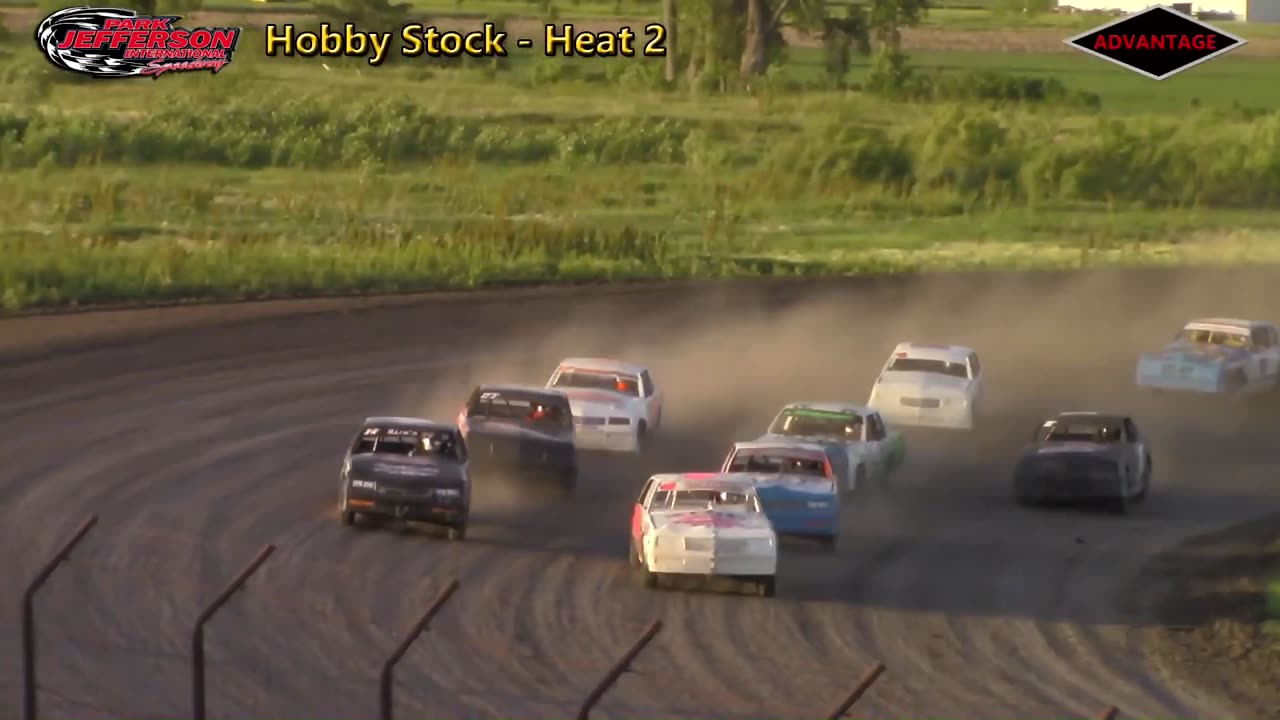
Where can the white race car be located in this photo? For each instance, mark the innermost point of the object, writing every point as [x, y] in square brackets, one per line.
[706, 524]
[615, 404]
[929, 386]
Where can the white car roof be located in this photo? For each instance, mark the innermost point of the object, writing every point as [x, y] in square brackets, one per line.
[705, 481]
[781, 444]
[926, 351]
[603, 365]
[831, 407]
[1224, 324]
[396, 420]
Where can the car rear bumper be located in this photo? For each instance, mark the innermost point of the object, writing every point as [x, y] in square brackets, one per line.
[943, 417]
[676, 564]
[431, 511]
[1067, 488]
[620, 439]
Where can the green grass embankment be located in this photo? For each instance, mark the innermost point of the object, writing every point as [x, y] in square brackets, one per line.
[283, 178]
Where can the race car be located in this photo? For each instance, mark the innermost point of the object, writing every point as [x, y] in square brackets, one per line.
[867, 452]
[407, 469]
[935, 386]
[1078, 456]
[796, 485]
[526, 432]
[705, 524]
[616, 406]
[1221, 356]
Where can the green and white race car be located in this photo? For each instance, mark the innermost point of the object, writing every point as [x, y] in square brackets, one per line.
[866, 452]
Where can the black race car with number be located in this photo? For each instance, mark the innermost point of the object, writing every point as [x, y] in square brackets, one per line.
[524, 431]
[407, 469]
[1078, 456]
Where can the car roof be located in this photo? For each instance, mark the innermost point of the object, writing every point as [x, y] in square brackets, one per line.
[829, 407]
[1223, 324]
[1091, 415]
[781, 445]
[928, 351]
[705, 481]
[600, 365]
[530, 389]
[419, 423]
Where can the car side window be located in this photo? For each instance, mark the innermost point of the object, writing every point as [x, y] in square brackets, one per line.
[875, 428]
[974, 364]
[1260, 338]
[647, 383]
[644, 491]
[1130, 431]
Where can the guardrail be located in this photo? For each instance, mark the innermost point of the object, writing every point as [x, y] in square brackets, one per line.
[386, 683]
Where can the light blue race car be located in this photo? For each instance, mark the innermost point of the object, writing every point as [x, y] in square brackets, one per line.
[1215, 355]
[796, 486]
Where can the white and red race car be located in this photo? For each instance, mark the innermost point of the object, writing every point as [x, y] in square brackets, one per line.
[705, 524]
[616, 406]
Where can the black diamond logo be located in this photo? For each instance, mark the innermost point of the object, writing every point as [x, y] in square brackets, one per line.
[1158, 42]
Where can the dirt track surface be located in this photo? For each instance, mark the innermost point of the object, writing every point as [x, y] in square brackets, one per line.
[198, 446]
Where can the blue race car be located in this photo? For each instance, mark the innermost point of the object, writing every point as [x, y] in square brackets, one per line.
[1218, 356]
[796, 486]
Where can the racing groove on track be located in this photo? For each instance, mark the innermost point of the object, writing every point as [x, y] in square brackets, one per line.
[197, 447]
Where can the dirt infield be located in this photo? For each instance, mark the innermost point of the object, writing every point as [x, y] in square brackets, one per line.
[931, 39]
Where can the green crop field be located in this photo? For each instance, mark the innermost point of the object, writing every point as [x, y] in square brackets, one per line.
[310, 176]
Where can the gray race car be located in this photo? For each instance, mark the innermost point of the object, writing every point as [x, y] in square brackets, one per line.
[1085, 456]
[407, 469]
[526, 432]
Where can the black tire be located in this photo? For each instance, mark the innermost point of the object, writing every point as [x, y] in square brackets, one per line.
[648, 579]
[642, 437]
[347, 518]
[829, 543]
[634, 556]
[1146, 484]
[1118, 505]
[458, 533]
[767, 586]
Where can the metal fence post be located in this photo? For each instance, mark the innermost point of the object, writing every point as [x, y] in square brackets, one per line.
[1110, 713]
[385, 681]
[859, 690]
[197, 635]
[584, 712]
[29, 616]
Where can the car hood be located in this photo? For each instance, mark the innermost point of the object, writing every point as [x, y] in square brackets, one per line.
[1198, 353]
[507, 429]
[396, 468]
[811, 439]
[932, 382]
[712, 524]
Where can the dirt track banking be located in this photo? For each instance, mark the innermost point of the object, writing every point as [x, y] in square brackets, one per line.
[198, 446]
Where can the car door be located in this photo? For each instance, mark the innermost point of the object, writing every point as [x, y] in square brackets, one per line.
[638, 513]
[975, 378]
[1137, 455]
[652, 400]
[874, 435]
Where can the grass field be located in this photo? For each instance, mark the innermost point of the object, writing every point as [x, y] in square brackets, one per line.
[442, 174]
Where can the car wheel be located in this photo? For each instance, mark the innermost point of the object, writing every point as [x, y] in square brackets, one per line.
[1146, 484]
[829, 543]
[650, 579]
[457, 533]
[767, 586]
[642, 437]
[859, 481]
[1119, 505]
[347, 518]
[634, 555]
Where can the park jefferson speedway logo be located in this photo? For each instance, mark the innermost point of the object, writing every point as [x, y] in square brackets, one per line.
[1158, 42]
[117, 43]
